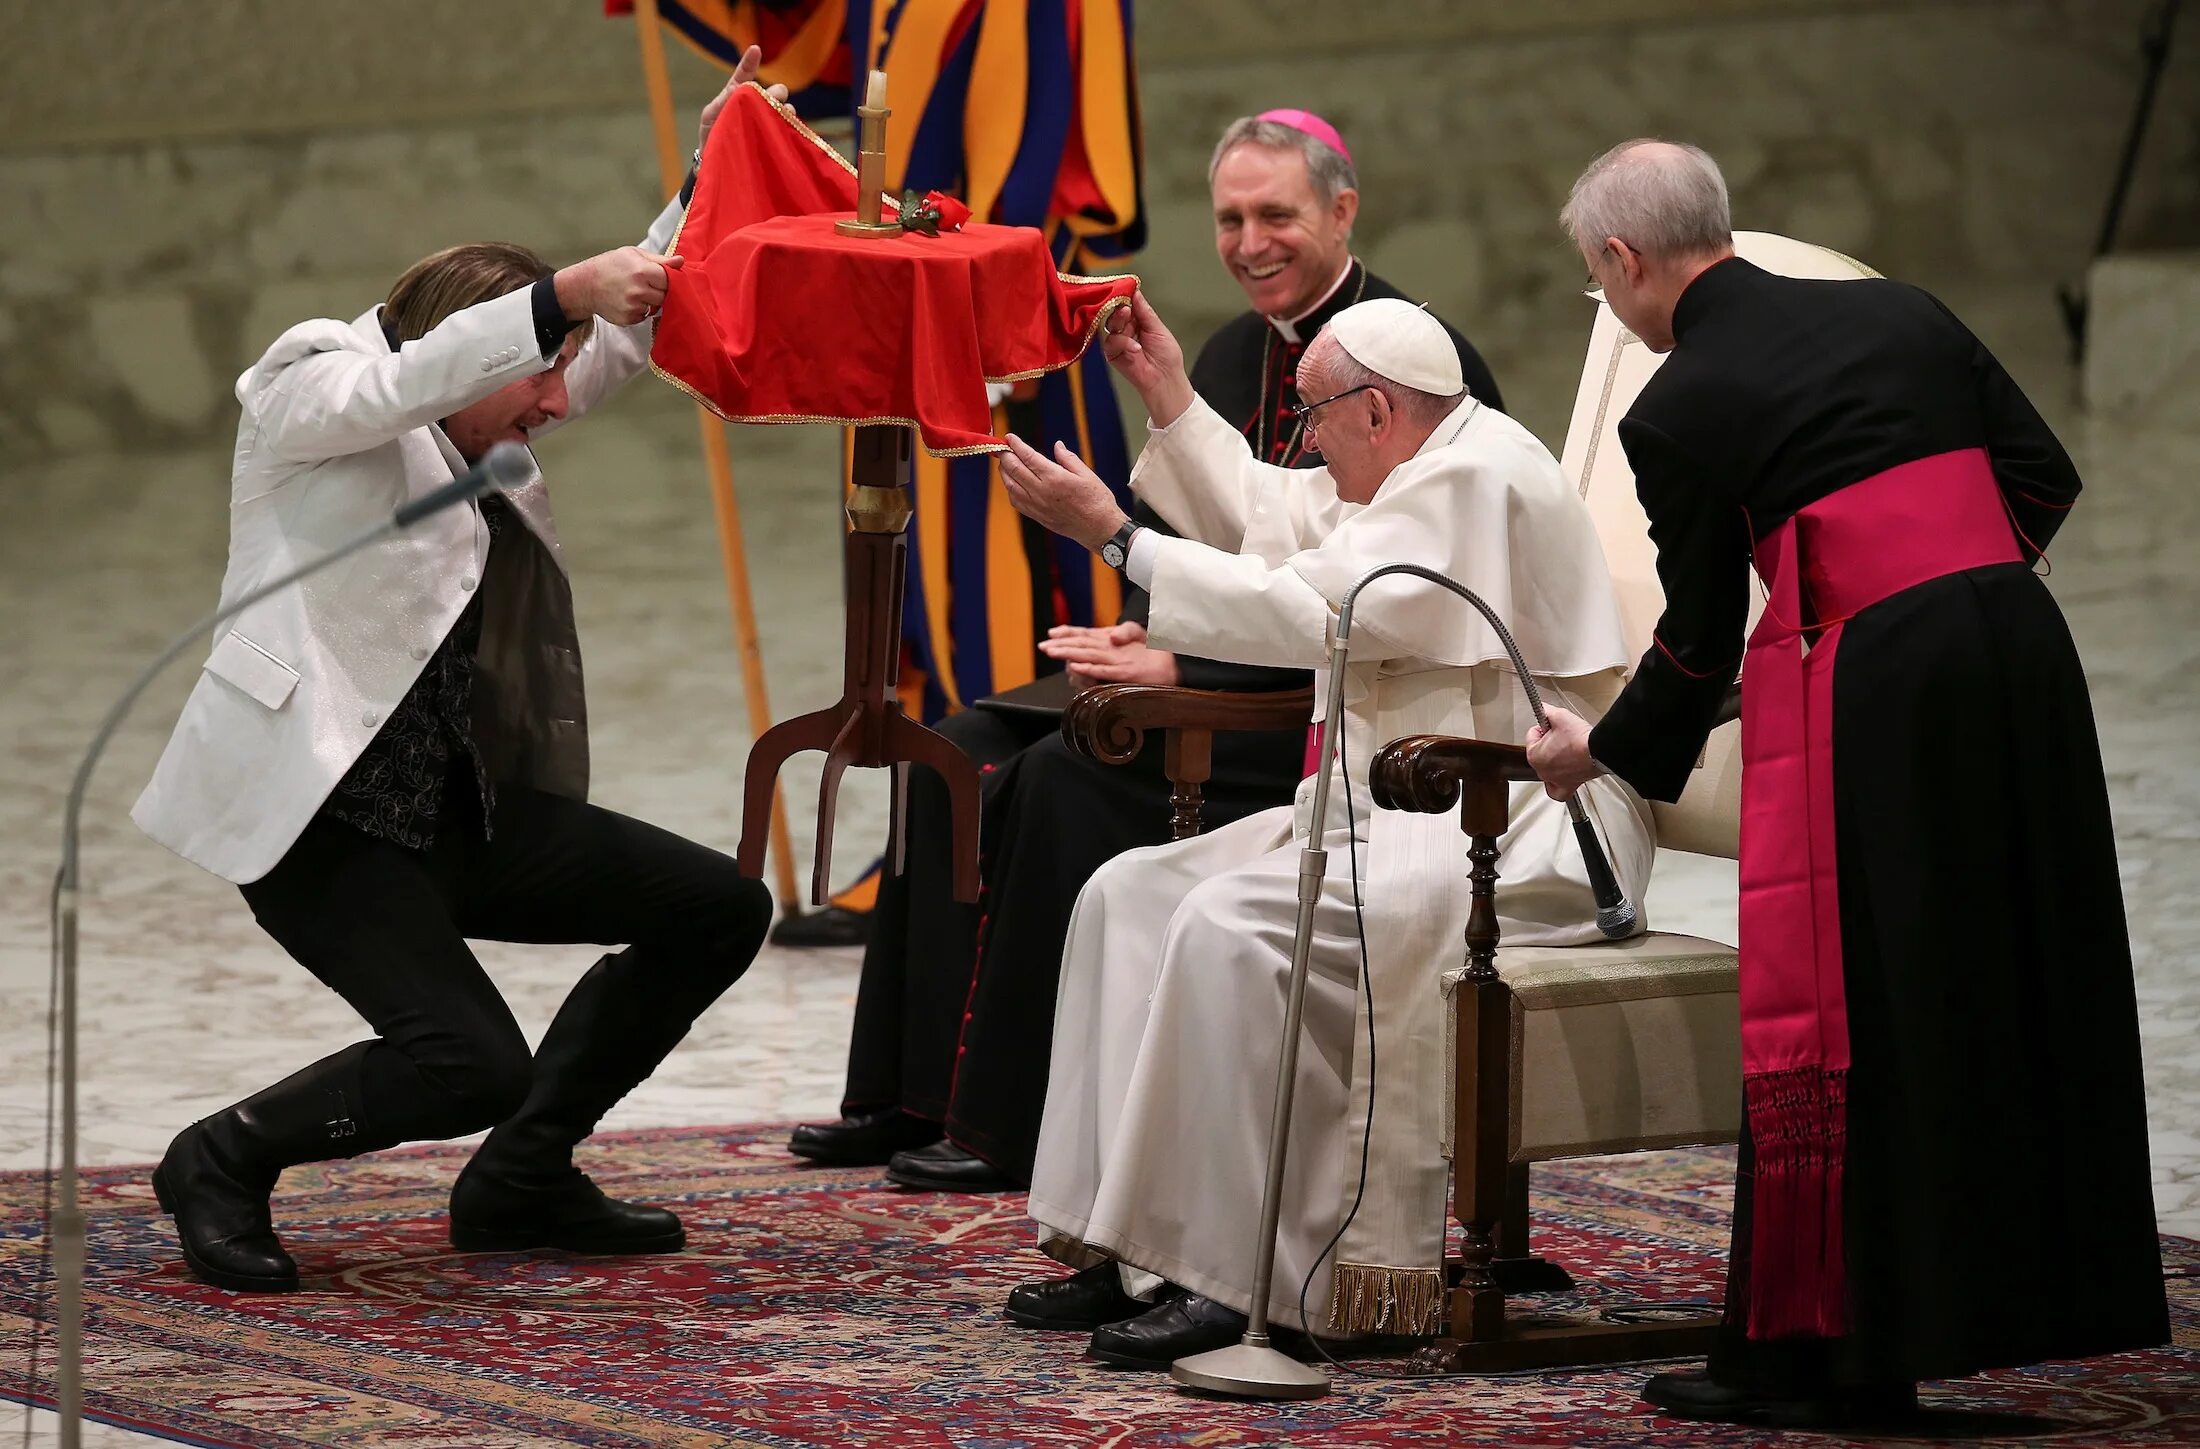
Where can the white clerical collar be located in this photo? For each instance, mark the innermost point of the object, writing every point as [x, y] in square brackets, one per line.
[1289, 330]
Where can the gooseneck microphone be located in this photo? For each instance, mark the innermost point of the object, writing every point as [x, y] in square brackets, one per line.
[501, 467]
[1616, 915]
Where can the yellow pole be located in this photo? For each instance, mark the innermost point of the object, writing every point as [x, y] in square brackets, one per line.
[720, 462]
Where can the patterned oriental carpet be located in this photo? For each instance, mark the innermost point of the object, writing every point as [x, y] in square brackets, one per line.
[819, 1307]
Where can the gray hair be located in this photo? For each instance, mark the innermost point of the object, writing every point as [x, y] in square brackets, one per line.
[1330, 169]
[1663, 198]
[1346, 372]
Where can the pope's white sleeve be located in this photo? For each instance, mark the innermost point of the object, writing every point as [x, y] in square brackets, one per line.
[1236, 607]
[1138, 562]
[1200, 474]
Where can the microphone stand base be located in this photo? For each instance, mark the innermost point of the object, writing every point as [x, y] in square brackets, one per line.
[1245, 1372]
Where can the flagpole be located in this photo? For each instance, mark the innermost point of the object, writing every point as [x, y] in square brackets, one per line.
[719, 460]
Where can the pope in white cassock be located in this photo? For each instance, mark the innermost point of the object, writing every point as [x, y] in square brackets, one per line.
[1168, 1027]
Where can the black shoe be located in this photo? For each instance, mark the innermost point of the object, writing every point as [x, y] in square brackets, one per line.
[1694, 1395]
[216, 1176]
[1083, 1301]
[220, 1206]
[492, 1212]
[833, 926]
[1531, 1275]
[944, 1167]
[1177, 1329]
[868, 1140]
[521, 1190]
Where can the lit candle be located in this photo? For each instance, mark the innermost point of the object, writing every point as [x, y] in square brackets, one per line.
[875, 97]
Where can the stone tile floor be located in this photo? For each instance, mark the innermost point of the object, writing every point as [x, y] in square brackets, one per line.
[186, 1006]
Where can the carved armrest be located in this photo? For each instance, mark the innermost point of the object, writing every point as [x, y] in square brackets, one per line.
[1429, 774]
[1108, 722]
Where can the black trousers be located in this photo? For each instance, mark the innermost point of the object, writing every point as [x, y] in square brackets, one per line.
[955, 1011]
[923, 949]
[385, 928]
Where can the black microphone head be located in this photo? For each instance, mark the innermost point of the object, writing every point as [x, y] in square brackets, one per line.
[507, 465]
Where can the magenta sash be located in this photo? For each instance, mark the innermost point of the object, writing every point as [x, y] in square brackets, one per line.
[1842, 554]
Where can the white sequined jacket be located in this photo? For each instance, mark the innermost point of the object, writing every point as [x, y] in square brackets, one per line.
[337, 431]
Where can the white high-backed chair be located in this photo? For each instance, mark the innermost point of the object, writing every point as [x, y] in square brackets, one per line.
[1574, 1051]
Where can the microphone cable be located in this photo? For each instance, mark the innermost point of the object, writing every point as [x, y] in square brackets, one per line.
[1367, 1128]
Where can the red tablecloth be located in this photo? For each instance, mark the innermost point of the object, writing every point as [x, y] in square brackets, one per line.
[776, 318]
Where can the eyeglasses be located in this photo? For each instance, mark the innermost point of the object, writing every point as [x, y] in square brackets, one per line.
[1304, 412]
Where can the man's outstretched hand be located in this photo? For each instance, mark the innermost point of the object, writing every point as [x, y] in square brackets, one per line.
[1060, 494]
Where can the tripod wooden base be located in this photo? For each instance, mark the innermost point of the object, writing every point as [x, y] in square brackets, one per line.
[866, 727]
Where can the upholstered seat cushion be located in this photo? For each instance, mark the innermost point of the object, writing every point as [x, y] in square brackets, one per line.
[1619, 1047]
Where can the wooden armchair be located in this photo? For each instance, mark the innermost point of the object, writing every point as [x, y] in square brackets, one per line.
[1110, 722]
[1559, 1051]
[1568, 1051]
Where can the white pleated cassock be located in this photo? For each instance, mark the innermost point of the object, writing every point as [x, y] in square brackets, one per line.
[1168, 1027]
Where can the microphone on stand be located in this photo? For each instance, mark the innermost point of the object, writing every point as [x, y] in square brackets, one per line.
[1616, 915]
[501, 467]
[504, 466]
[1253, 1368]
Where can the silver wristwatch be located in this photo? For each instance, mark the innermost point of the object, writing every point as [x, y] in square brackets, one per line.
[1117, 550]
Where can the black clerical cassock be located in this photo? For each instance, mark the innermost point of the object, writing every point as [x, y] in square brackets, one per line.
[1945, 1164]
[955, 1010]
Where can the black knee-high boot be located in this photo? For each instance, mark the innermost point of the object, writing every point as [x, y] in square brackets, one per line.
[521, 1190]
[218, 1172]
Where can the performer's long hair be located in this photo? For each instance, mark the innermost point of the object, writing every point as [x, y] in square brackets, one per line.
[456, 278]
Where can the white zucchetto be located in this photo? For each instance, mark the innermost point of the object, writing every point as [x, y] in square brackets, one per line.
[1395, 339]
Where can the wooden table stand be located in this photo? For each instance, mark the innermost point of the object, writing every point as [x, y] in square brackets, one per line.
[867, 727]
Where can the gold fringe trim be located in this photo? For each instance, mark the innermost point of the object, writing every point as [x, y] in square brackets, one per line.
[856, 422]
[1092, 330]
[1365, 1299]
